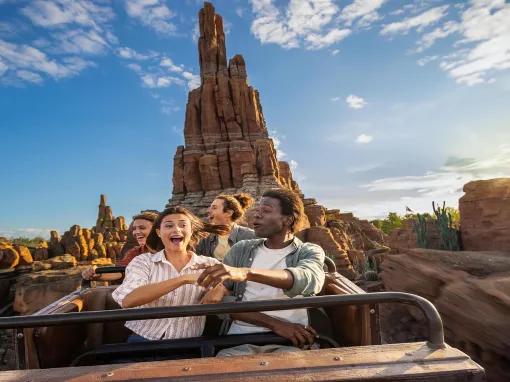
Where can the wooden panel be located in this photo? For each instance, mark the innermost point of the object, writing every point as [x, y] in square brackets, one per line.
[403, 362]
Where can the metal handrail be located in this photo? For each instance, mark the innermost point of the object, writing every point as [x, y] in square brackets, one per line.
[110, 269]
[436, 333]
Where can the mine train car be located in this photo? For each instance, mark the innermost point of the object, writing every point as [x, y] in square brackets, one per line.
[82, 337]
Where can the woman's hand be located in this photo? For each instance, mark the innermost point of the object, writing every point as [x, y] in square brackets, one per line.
[214, 295]
[90, 273]
[190, 278]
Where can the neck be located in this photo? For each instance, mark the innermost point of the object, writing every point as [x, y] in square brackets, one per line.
[279, 240]
[175, 254]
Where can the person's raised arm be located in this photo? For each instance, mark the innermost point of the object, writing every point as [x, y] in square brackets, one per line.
[150, 292]
[136, 290]
[216, 274]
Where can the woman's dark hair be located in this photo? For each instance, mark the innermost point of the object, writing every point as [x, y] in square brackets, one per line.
[290, 204]
[199, 228]
[146, 215]
[237, 203]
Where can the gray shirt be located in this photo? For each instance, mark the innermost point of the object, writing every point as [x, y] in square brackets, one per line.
[305, 262]
[207, 245]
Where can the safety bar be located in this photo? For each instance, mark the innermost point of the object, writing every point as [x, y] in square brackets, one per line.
[436, 333]
[112, 269]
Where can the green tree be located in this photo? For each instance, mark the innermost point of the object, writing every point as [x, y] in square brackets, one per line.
[391, 222]
[27, 242]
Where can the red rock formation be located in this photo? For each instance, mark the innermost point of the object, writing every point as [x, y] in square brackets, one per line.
[405, 237]
[471, 291]
[485, 215]
[226, 144]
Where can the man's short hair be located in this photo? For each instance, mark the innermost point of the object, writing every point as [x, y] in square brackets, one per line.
[290, 204]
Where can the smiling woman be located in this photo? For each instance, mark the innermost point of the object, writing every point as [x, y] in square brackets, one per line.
[168, 277]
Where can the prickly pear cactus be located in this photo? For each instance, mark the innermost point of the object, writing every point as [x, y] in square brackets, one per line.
[448, 234]
[420, 227]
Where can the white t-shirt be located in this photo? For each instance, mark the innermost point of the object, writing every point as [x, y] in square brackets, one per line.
[266, 258]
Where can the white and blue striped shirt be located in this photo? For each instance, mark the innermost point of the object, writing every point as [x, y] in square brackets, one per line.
[150, 268]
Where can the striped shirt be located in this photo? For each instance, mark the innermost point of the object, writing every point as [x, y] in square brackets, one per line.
[150, 268]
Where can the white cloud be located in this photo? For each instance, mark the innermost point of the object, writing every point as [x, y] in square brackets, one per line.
[3, 68]
[443, 184]
[364, 139]
[362, 11]
[25, 57]
[239, 11]
[58, 13]
[75, 28]
[131, 54]
[29, 76]
[485, 25]
[304, 23]
[277, 141]
[363, 168]
[318, 41]
[193, 80]
[79, 41]
[334, 99]
[334, 52]
[155, 81]
[152, 13]
[153, 68]
[428, 39]
[355, 102]
[168, 107]
[418, 22]
[168, 63]
[26, 232]
[425, 60]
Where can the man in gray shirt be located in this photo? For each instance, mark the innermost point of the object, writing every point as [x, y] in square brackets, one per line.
[277, 265]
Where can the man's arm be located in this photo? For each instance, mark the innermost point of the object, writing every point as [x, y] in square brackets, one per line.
[216, 274]
[299, 335]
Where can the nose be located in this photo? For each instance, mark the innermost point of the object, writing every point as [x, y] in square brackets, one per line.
[175, 229]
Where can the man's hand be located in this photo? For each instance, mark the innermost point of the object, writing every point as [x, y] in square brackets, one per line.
[300, 335]
[214, 275]
[90, 273]
[215, 295]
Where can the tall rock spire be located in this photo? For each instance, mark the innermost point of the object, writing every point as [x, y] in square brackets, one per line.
[211, 44]
[227, 148]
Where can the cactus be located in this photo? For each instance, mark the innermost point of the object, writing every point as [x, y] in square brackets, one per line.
[370, 273]
[420, 227]
[447, 232]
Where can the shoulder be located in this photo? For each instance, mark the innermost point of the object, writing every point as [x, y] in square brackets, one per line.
[311, 249]
[142, 260]
[199, 259]
[245, 233]
[246, 244]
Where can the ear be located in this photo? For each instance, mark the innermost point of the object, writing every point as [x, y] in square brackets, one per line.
[288, 220]
[230, 213]
[158, 232]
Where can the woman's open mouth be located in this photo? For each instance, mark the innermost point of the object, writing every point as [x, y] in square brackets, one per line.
[176, 240]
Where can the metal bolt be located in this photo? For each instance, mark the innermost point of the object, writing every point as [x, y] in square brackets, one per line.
[264, 363]
[20, 336]
[109, 374]
[372, 311]
[186, 368]
[337, 358]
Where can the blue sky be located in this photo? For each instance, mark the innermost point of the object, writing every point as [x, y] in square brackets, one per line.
[377, 104]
